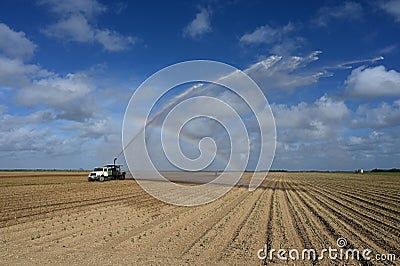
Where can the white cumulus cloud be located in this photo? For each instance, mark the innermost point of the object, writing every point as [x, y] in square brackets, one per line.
[384, 116]
[321, 120]
[46, 117]
[373, 82]
[68, 94]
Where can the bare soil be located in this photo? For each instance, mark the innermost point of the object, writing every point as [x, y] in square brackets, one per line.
[58, 218]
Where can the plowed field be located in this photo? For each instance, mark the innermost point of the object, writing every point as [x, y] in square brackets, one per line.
[60, 218]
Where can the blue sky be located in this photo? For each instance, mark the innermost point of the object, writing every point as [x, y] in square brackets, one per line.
[68, 69]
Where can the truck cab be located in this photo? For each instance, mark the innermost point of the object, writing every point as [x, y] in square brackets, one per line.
[107, 172]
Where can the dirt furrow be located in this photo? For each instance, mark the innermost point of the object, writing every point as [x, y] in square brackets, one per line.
[217, 240]
[66, 220]
[375, 193]
[320, 233]
[366, 213]
[358, 224]
[343, 226]
[269, 232]
[212, 221]
[174, 221]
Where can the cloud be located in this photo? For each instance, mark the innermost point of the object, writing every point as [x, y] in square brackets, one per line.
[68, 97]
[3, 109]
[47, 118]
[347, 11]
[308, 134]
[15, 49]
[13, 72]
[392, 7]
[113, 41]
[320, 120]
[73, 28]
[75, 24]
[14, 44]
[200, 25]
[33, 146]
[280, 40]
[326, 134]
[390, 49]
[384, 116]
[68, 94]
[374, 148]
[309, 123]
[88, 8]
[266, 34]
[22, 136]
[9, 122]
[28, 139]
[94, 128]
[373, 82]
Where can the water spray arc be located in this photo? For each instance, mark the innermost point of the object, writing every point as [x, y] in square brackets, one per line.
[177, 112]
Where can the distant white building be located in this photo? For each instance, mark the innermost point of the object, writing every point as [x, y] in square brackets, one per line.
[360, 171]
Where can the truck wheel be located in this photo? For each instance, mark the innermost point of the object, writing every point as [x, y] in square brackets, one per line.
[101, 179]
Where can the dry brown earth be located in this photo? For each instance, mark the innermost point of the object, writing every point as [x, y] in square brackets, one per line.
[52, 218]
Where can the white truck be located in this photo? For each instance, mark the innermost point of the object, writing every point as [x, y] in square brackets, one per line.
[107, 172]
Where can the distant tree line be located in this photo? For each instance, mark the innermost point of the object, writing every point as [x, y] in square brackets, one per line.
[377, 170]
